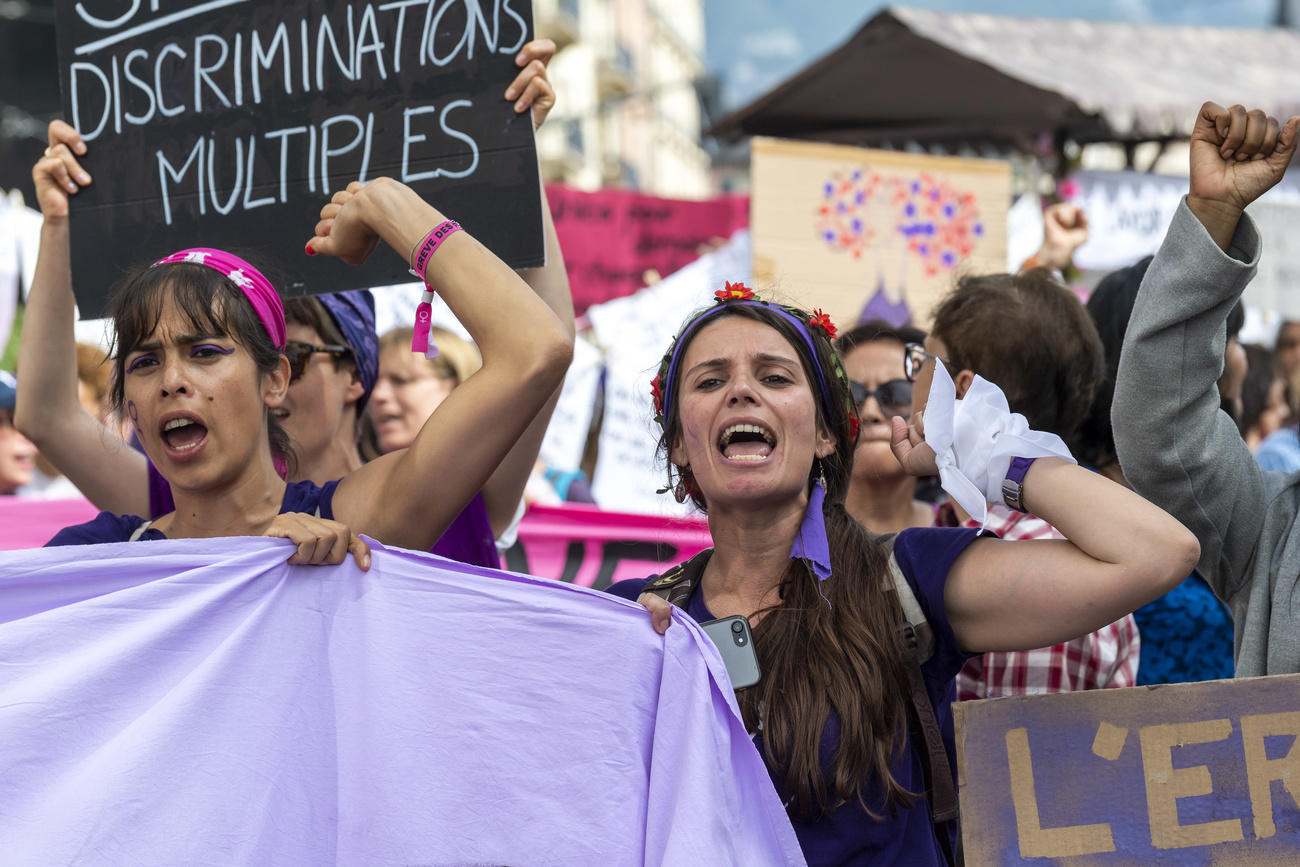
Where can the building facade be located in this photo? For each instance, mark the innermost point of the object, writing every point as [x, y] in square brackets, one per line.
[628, 111]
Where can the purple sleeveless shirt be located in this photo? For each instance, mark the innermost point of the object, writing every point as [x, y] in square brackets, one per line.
[469, 539]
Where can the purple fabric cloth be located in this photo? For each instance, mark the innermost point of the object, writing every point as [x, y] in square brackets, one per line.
[811, 544]
[200, 701]
[469, 539]
[848, 835]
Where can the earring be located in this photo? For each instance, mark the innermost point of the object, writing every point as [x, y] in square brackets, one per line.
[821, 474]
[679, 489]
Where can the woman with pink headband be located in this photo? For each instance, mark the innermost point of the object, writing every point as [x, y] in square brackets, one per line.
[114, 477]
[199, 371]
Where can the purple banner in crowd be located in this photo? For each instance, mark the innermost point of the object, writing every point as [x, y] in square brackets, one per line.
[190, 701]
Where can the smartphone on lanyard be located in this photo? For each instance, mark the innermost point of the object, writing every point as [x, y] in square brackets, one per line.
[735, 643]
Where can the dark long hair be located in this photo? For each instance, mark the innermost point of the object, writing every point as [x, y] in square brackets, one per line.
[212, 305]
[833, 646]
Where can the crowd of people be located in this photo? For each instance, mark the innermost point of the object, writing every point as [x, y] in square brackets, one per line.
[1036, 496]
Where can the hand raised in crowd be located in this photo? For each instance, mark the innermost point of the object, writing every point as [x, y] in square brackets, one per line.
[1065, 229]
[320, 542]
[57, 174]
[531, 88]
[1236, 156]
[909, 445]
[345, 229]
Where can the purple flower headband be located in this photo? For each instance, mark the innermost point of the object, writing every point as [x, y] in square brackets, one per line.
[663, 388]
[810, 544]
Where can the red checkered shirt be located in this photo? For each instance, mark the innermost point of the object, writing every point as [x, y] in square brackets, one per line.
[1106, 658]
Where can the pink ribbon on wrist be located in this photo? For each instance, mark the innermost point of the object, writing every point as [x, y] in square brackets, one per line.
[421, 253]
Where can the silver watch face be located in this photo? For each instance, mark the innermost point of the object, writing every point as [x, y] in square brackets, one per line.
[1011, 493]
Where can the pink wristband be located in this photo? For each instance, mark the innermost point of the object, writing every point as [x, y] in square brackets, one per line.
[422, 251]
[420, 341]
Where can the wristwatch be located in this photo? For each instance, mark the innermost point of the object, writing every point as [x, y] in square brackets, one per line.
[1013, 484]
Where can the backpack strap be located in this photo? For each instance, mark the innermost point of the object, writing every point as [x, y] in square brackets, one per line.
[677, 584]
[913, 615]
[919, 635]
[139, 531]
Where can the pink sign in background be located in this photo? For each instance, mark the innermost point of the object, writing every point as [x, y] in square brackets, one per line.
[28, 523]
[580, 544]
[612, 237]
[595, 548]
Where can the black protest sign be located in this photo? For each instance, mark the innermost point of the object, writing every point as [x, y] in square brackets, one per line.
[229, 123]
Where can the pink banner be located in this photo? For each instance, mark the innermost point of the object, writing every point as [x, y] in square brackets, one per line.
[28, 523]
[580, 544]
[612, 237]
[595, 548]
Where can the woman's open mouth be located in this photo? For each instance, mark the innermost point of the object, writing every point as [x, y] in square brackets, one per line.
[746, 442]
[183, 436]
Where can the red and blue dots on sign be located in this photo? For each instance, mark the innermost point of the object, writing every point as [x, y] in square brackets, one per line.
[939, 223]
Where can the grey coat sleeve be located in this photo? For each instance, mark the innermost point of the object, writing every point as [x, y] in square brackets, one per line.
[1177, 448]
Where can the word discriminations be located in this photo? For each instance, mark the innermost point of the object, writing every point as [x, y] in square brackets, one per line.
[124, 76]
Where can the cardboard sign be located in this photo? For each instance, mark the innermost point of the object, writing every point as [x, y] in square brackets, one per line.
[1194, 773]
[611, 238]
[873, 234]
[230, 124]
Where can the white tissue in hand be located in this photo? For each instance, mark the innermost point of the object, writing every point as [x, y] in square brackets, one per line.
[975, 438]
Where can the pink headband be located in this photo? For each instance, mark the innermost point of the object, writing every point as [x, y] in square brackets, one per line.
[256, 288]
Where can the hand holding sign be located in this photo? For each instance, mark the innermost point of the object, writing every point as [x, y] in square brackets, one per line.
[531, 85]
[57, 174]
[227, 124]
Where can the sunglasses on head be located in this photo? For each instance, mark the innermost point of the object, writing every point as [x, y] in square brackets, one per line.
[299, 355]
[894, 397]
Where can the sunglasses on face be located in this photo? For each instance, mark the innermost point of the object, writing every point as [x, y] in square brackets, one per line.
[914, 359]
[894, 397]
[299, 355]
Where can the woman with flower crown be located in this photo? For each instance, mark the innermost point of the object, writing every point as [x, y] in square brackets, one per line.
[759, 429]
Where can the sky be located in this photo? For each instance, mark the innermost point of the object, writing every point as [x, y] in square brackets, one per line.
[755, 44]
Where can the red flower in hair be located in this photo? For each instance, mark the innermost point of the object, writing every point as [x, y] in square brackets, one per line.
[823, 321]
[735, 292]
[656, 392]
[853, 427]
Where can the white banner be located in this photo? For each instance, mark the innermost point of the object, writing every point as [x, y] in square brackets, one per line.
[566, 436]
[1129, 213]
